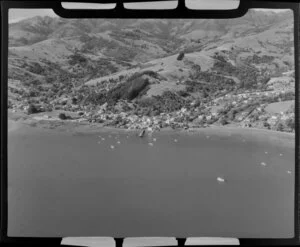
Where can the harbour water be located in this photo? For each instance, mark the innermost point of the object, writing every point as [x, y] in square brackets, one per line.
[76, 184]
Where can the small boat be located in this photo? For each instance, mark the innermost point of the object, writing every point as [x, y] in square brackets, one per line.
[142, 133]
[263, 164]
[221, 180]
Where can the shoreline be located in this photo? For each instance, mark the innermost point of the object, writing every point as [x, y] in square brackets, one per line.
[90, 128]
[17, 119]
[20, 120]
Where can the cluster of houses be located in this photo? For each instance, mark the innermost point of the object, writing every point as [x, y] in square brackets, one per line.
[184, 118]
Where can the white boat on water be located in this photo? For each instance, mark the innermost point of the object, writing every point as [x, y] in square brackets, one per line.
[221, 180]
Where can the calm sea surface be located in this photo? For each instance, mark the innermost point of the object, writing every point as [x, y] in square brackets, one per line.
[66, 184]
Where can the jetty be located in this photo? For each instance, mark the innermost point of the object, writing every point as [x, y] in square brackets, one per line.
[142, 133]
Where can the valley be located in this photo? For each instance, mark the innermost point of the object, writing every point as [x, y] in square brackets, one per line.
[155, 74]
[213, 99]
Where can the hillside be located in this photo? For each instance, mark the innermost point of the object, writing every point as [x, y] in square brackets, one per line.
[81, 64]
